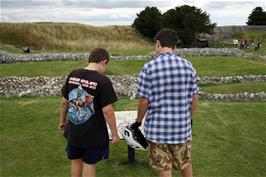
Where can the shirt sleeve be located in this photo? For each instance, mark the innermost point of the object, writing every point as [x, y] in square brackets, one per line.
[64, 90]
[107, 94]
[143, 90]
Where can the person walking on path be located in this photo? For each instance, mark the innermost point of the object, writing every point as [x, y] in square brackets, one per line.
[168, 95]
[87, 102]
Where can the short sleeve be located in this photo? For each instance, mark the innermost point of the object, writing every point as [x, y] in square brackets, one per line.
[143, 90]
[107, 94]
[64, 89]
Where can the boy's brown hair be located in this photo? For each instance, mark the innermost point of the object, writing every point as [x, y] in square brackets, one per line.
[167, 38]
[98, 54]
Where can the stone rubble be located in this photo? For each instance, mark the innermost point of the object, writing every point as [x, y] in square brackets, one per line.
[7, 57]
[210, 52]
[232, 97]
[124, 86]
[208, 80]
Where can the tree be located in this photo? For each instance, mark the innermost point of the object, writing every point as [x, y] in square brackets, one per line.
[188, 22]
[257, 17]
[148, 22]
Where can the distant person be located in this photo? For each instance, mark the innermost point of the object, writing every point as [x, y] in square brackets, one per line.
[26, 49]
[242, 44]
[168, 93]
[87, 100]
[257, 46]
[245, 43]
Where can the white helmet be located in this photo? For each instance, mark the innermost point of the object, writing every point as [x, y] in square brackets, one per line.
[134, 138]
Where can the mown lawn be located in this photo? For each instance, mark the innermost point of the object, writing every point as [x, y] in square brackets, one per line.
[125, 52]
[227, 66]
[229, 140]
[235, 88]
[205, 66]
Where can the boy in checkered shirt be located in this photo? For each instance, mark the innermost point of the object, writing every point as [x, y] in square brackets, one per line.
[168, 95]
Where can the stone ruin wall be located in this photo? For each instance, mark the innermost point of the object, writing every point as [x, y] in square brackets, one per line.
[124, 86]
[6, 57]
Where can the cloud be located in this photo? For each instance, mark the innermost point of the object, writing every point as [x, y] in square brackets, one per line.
[100, 4]
[93, 16]
[29, 4]
[230, 12]
[118, 12]
[214, 5]
[95, 12]
[110, 4]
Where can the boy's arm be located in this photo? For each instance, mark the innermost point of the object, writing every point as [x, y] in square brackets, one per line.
[194, 104]
[142, 109]
[63, 113]
[109, 116]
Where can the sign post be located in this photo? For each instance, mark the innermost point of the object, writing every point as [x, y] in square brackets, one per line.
[130, 154]
[124, 118]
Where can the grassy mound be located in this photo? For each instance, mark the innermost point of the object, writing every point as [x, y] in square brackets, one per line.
[68, 37]
[205, 66]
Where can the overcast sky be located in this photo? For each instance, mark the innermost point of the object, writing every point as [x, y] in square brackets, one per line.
[119, 12]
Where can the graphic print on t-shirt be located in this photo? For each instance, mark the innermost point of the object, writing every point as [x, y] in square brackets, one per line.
[81, 106]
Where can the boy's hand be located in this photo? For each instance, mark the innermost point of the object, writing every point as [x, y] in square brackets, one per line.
[115, 139]
[62, 126]
[135, 125]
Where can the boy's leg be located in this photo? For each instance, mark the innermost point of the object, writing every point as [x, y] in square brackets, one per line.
[160, 158]
[182, 158]
[187, 172]
[90, 159]
[76, 167]
[89, 170]
[166, 173]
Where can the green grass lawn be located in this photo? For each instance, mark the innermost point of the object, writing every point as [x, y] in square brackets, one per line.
[126, 52]
[227, 66]
[235, 88]
[134, 52]
[229, 140]
[205, 66]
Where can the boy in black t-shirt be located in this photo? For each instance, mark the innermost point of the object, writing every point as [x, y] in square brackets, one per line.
[87, 102]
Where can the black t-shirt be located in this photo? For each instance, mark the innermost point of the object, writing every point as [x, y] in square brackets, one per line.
[87, 92]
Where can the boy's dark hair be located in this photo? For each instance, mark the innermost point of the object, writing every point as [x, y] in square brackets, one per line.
[98, 55]
[167, 38]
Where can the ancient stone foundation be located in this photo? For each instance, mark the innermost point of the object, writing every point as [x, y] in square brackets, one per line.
[124, 86]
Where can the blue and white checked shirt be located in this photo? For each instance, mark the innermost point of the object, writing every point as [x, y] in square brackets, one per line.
[168, 83]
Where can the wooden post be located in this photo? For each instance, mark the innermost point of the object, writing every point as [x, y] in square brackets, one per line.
[131, 154]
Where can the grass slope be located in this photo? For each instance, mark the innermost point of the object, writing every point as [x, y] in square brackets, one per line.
[228, 140]
[235, 88]
[205, 66]
[68, 37]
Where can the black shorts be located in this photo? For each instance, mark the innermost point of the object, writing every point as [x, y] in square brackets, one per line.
[88, 155]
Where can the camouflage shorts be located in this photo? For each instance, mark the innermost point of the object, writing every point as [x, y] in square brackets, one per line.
[164, 157]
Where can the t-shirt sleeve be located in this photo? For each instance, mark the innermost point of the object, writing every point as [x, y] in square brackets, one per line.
[64, 89]
[107, 94]
[143, 90]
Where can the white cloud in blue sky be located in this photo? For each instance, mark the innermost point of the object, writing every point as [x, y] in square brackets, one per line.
[119, 12]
